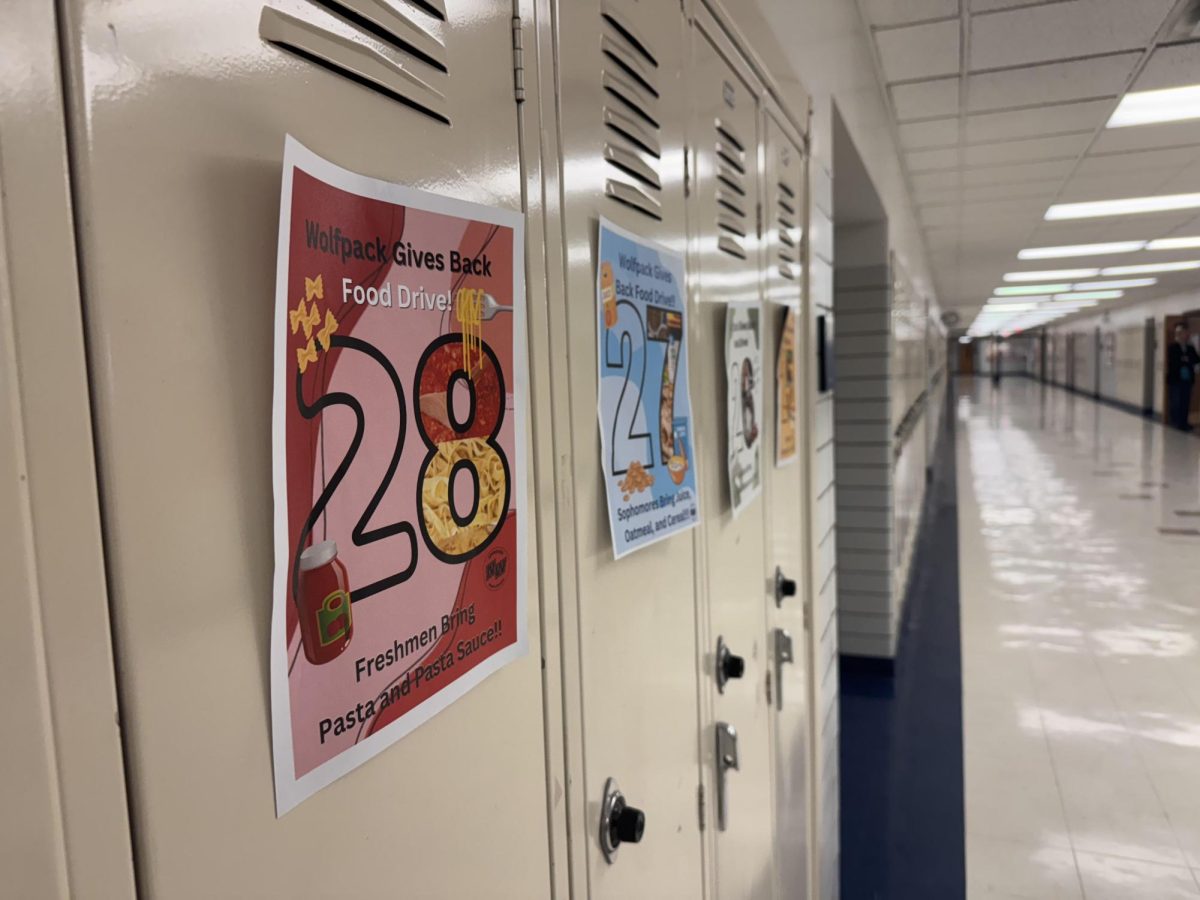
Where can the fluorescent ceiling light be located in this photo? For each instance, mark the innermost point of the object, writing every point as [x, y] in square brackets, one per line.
[1152, 267]
[1004, 302]
[1052, 274]
[1000, 300]
[1149, 107]
[1027, 289]
[1127, 206]
[965, 339]
[1068, 306]
[1113, 285]
[1091, 295]
[1175, 243]
[1081, 250]
[1009, 308]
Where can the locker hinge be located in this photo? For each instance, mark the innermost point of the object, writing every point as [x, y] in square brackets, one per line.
[807, 614]
[758, 218]
[768, 689]
[518, 61]
[687, 175]
[700, 803]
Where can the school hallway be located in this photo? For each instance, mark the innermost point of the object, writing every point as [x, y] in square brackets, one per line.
[1079, 531]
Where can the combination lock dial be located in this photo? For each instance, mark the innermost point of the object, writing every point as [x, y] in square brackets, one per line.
[620, 823]
[728, 665]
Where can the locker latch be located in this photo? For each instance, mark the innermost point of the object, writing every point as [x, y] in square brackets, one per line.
[783, 654]
[727, 758]
[728, 665]
[620, 823]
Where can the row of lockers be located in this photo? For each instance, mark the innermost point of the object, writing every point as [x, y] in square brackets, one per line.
[163, 171]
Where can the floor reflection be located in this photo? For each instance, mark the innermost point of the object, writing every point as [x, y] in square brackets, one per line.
[1081, 671]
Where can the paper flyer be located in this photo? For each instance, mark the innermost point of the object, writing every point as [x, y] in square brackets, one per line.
[743, 371]
[644, 408]
[787, 409]
[399, 465]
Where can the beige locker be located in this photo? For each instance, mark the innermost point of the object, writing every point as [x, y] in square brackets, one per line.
[785, 198]
[725, 265]
[178, 113]
[629, 667]
[64, 830]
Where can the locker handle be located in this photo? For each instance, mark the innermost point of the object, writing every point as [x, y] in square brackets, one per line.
[727, 759]
[783, 654]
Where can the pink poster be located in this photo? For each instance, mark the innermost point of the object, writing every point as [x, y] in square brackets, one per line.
[398, 463]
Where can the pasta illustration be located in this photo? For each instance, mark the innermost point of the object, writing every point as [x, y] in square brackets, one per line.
[468, 309]
[450, 536]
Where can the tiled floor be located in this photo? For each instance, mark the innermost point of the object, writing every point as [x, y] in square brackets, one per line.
[1081, 668]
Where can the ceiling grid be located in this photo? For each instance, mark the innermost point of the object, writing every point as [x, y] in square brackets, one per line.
[1000, 109]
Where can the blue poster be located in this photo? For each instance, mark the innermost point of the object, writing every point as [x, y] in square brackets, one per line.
[645, 410]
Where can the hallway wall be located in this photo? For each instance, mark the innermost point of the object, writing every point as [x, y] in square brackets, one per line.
[1122, 357]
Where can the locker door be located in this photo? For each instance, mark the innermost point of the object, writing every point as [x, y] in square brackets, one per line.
[723, 139]
[631, 693]
[179, 112]
[784, 200]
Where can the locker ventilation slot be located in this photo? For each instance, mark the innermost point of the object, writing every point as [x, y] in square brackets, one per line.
[632, 133]
[393, 47]
[733, 220]
[789, 250]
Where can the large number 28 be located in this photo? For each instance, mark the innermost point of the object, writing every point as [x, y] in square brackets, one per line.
[488, 405]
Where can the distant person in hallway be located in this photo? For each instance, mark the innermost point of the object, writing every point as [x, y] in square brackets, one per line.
[997, 359]
[1182, 365]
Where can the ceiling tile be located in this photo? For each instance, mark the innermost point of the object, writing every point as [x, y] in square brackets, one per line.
[932, 160]
[1081, 79]
[1124, 228]
[1186, 181]
[1192, 227]
[1044, 189]
[896, 12]
[992, 216]
[937, 133]
[924, 99]
[1172, 66]
[1148, 137]
[1061, 147]
[937, 179]
[1080, 188]
[1017, 173]
[921, 51]
[1060, 118]
[1055, 31]
[978, 6]
[1144, 160]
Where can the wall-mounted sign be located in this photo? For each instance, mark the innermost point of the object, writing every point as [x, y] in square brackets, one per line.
[744, 374]
[398, 463]
[787, 395]
[644, 408]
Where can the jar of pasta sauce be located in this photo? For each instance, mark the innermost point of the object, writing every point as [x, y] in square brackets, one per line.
[323, 603]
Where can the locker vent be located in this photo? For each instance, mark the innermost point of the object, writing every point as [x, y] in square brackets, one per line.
[632, 146]
[393, 47]
[733, 221]
[789, 247]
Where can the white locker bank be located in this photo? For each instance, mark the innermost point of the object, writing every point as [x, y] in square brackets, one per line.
[417, 445]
